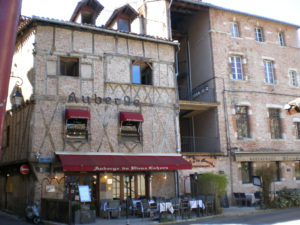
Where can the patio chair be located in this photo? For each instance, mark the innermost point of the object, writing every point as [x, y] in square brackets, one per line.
[153, 210]
[238, 199]
[257, 196]
[245, 200]
[185, 208]
[209, 203]
[176, 206]
[113, 208]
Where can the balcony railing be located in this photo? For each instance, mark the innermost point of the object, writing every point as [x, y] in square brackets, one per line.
[202, 93]
[200, 144]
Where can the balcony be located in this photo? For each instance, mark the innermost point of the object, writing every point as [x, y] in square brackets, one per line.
[201, 93]
[190, 144]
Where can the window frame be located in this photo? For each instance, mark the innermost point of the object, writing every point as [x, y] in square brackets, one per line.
[269, 72]
[139, 63]
[234, 67]
[79, 139]
[275, 121]
[242, 119]
[247, 172]
[297, 170]
[63, 62]
[234, 28]
[297, 126]
[281, 39]
[124, 19]
[293, 78]
[259, 34]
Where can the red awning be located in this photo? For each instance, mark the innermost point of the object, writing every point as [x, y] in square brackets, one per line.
[77, 114]
[131, 116]
[113, 163]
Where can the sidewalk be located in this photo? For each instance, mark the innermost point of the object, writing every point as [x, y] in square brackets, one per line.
[231, 211]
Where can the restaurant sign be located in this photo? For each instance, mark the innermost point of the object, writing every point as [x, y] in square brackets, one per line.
[258, 157]
[201, 161]
[126, 100]
[132, 168]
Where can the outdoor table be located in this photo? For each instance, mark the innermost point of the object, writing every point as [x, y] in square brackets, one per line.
[166, 206]
[196, 204]
[250, 197]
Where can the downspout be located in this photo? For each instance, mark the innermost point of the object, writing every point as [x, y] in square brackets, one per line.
[169, 20]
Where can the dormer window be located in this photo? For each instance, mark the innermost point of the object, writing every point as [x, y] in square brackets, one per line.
[87, 18]
[122, 18]
[124, 24]
[86, 12]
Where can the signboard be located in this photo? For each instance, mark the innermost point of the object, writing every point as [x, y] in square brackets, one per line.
[45, 160]
[84, 193]
[201, 161]
[50, 188]
[24, 169]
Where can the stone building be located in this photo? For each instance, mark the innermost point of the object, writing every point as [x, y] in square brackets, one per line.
[236, 72]
[100, 108]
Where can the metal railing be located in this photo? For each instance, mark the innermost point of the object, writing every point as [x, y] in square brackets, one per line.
[204, 92]
[200, 144]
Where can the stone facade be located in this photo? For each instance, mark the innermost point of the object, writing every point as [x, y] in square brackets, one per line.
[104, 88]
[210, 46]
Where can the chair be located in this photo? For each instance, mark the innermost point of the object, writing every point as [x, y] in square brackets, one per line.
[176, 206]
[245, 200]
[209, 203]
[257, 196]
[237, 198]
[113, 208]
[184, 208]
[153, 210]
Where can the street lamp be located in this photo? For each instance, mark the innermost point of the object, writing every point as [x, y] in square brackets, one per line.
[127, 183]
[17, 99]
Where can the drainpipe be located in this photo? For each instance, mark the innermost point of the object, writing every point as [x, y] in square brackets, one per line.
[9, 17]
[169, 20]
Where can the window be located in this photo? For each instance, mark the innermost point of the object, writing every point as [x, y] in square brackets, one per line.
[87, 17]
[116, 186]
[258, 34]
[269, 72]
[5, 137]
[297, 170]
[294, 78]
[69, 66]
[274, 115]
[297, 130]
[77, 129]
[280, 39]
[242, 123]
[130, 126]
[141, 73]
[124, 24]
[236, 68]
[246, 168]
[277, 171]
[234, 30]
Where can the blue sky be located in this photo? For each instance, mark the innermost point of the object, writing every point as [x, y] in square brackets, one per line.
[283, 10]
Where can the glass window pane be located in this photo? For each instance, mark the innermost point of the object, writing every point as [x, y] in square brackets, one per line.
[136, 74]
[124, 24]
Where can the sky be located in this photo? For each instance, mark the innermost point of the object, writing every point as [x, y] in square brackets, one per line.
[282, 10]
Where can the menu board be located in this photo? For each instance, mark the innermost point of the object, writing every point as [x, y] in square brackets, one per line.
[84, 193]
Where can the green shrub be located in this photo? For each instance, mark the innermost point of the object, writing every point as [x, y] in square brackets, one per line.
[287, 198]
[92, 207]
[75, 207]
[213, 184]
[267, 174]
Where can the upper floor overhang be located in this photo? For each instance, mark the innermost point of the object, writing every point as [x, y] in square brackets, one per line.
[196, 107]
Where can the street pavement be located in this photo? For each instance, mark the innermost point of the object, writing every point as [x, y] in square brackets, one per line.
[231, 215]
